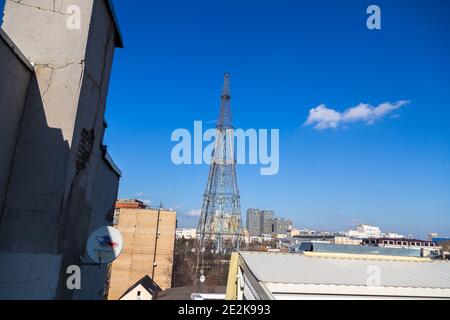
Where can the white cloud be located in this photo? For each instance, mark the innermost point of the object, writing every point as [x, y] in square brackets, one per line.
[322, 117]
[194, 213]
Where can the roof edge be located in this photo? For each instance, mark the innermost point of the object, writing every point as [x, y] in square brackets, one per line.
[119, 38]
[110, 161]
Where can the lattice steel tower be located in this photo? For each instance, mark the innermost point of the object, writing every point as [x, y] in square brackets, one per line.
[219, 229]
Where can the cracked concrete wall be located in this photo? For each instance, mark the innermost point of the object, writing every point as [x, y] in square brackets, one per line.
[97, 179]
[58, 53]
[51, 207]
[14, 81]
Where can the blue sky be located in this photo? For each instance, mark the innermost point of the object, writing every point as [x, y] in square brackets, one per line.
[285, 58]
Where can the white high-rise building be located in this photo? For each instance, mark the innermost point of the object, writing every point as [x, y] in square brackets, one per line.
[365, 231]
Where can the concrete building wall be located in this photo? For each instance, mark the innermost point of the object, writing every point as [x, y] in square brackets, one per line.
[15, 77]
[253, 222]
[61, 186]
[139, 230]
[281, 225]
[267, 217]
[259, 221]
[105, 189]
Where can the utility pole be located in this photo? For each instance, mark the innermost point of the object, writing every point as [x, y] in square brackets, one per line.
[156, 240]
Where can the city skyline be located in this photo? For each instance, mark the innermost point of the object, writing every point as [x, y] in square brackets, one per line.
[362, 113]
[285, 61]
[224, 150]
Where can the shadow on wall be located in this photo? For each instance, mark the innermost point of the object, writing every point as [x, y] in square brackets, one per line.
[30, 217]
[54, 197]
[44, 222]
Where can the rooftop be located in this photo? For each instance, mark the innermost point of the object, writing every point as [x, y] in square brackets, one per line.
[346, 271]
[350, 249]
[147, 283]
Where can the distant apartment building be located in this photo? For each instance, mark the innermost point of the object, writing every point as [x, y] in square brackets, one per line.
[280, 226]
[187, 234]
[393, 235]
[264, 238]
[267, 220]
[294, 232]
[400, 242]
[130, 204]
[331, 239]
[365, 231]
[253, 222]
[149, 239]
[259, 222]
[347, 241]
[427, 248]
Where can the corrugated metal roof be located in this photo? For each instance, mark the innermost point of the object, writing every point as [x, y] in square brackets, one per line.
[301, 269]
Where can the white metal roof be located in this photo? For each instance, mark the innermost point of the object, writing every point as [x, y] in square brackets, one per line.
[308, 270]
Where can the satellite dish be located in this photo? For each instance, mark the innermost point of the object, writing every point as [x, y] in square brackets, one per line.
[202, 279]
[104, 245]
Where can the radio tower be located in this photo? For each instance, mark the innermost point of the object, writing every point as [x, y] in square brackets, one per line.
[219, 230]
